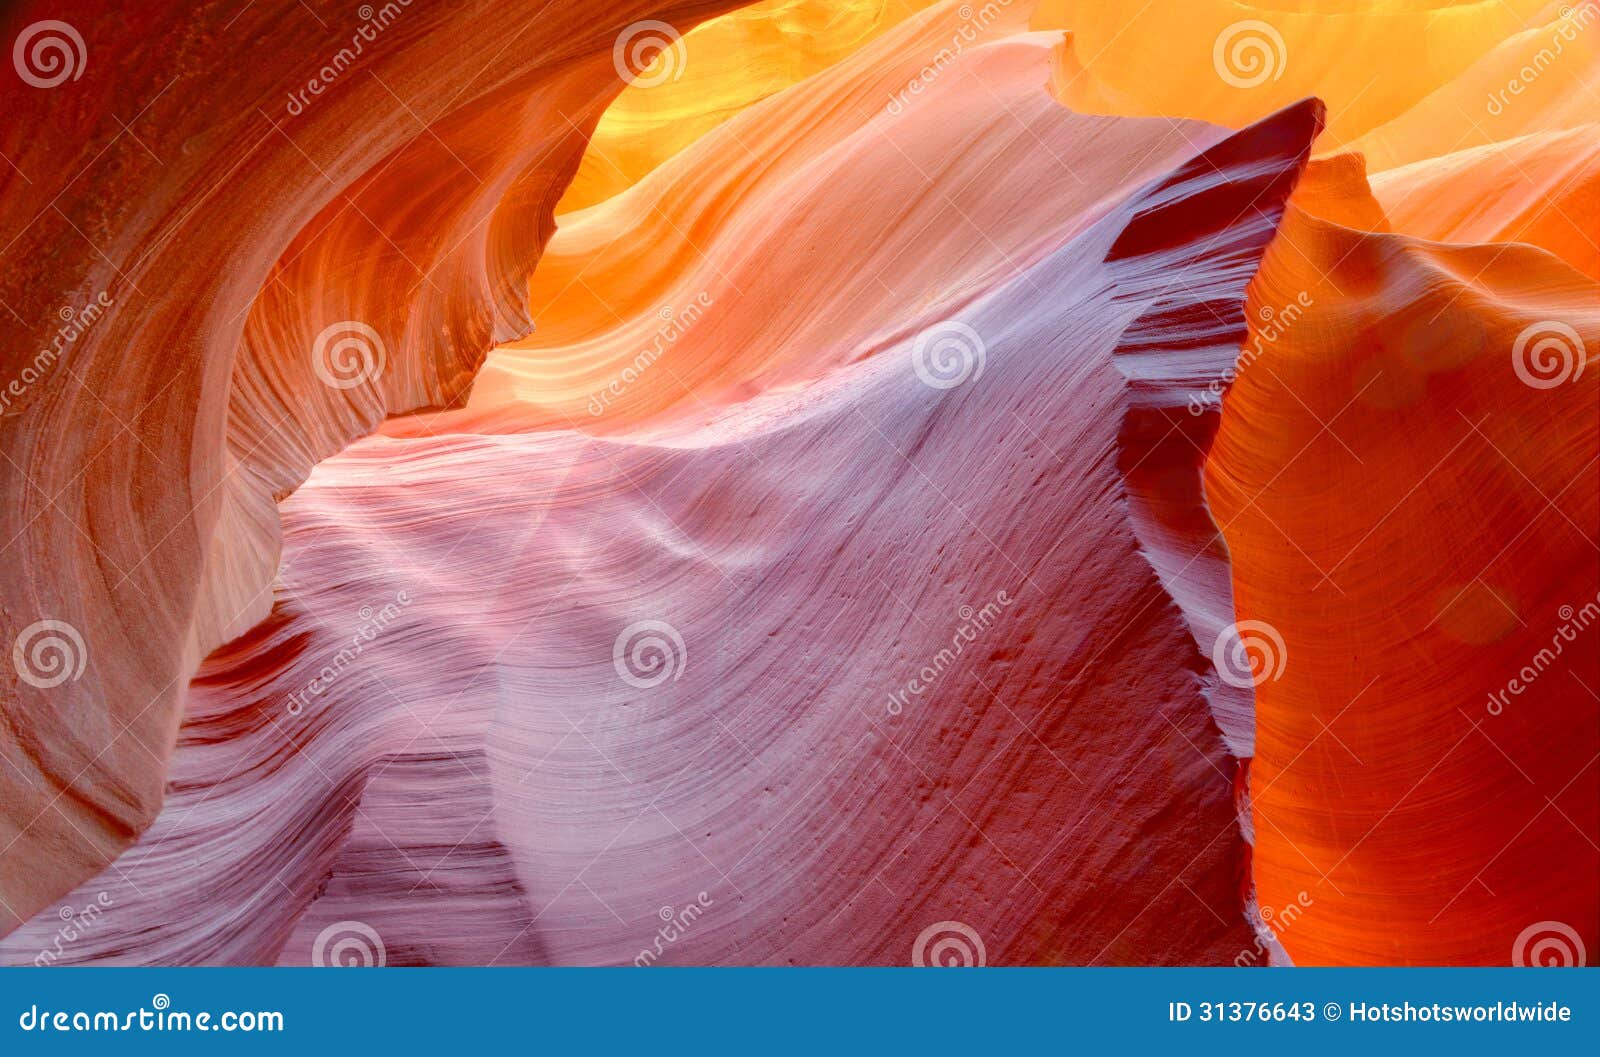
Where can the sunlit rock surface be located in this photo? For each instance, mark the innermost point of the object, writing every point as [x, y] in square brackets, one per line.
[915, 487]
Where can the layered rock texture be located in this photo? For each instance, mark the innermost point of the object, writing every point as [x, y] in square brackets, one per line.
[916, 483]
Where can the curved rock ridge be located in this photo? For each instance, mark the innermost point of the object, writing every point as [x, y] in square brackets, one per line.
[191, 230]
[854, 547]
[1371, 347]
[796, 683]
[1179, 358]
[1403, 403]
[623, 285]
[1234, 61]
[1545, 188]
[714, 73]
[1541, 79]
[1427, 408]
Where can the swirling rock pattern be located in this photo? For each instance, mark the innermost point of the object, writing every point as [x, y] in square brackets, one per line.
[908, 484]
[216, 203]
[829, 803]
[1453, 710]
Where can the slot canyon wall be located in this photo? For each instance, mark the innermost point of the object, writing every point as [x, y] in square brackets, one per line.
[850, 483]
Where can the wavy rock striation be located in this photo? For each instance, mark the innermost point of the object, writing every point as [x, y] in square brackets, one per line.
[809, 676]
[852, 542]
[211, 216]
[1427, 408]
